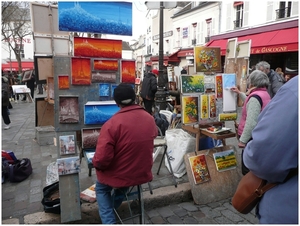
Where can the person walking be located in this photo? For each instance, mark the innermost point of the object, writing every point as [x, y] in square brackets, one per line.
[272, 157]
[5, 102]
[275, 79]
[255, 100]
[149, 88]
[123, 155]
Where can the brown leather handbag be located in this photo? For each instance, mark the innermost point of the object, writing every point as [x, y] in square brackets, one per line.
[250, 190]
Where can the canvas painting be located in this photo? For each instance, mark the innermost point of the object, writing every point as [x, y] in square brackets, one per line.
[98, 112]
[112, 88]
[109, 77]
[105, 65]
[63, 82]
[225, 160]
[219, 86]
[227, 116]
[192, 84]
[229, 97]
[98, 48]
[26, 75]
[81, 71]
[204, 112]
[212, 106]
[190, 109]
[50, 88]
[67, 166]
[43, 67]
[90, 137]
[104, 89]
[231, 48]
[96, 17]
[68, 109]
[67, 144]
[207, 59]
[128, 72]
[199, 169]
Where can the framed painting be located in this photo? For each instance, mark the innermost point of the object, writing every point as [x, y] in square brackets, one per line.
[81, 71]
[109, 77]
[212, 106]
[97, 48]
[207, 59]
[128, 71]
[98, 112]
[67, 166]
[112, 88]
[104, 89]
[89, 137]
[43, 66]
[204, 110]
[68, 109]
[243, 48]
[229, 97]
[26, 75]
[219, 86]
[63, 82]
[192, 83]
[67, 144]
[96, 17]
[190, 109]
[105, 65]
[50, 88]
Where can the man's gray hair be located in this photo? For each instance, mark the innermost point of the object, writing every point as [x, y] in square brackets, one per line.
[258, 79]
[263, 64]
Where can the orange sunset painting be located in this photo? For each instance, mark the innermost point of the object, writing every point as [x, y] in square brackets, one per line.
[81, 71]
[91, 47]
[128, 72]
[106, 65]
[63, 82]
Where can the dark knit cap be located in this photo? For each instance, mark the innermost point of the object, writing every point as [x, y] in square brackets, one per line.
[124, 94]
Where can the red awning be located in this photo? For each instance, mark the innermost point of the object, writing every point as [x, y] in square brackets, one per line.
[269, 42]
[13, 66]
[185, 52]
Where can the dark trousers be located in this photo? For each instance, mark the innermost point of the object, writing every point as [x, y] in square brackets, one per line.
[148, 105]
[5, 115]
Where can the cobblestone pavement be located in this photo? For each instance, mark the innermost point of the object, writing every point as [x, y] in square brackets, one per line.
[24, 198]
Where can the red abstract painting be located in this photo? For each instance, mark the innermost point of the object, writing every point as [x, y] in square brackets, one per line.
[106, 65]
[63, 82]
[81, 71]
[128, 72]
[92, 47]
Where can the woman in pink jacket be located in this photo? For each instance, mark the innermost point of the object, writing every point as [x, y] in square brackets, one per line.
[123, 156]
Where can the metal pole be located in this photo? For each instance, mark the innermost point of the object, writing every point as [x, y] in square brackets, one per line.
[161, 93]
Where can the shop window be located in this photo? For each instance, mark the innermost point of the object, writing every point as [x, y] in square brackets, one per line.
[20, 50]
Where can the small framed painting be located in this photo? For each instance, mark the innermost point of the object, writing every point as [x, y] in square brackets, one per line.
[68, 109]
[67, 166]
[27, 75]
[90, 137]
[81, 71]
[190, 109]
[105, 65]
[207, 59]
[192, 83]
[112, 88]
[67, 144]
[63, 82]
[104, 90]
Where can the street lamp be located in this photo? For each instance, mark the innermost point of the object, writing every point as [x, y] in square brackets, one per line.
[160, 95]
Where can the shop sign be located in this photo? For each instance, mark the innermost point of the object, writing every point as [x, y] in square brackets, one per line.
[185, 32]
[18, 40]
[273, 49]
[166, 34]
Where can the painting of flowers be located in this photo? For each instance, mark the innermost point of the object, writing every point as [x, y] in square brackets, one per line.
[219, 86]
[128, 71]
[192, 84]
[207, 59]
[96, 17]
[204, 106]
[81, 71]
[106, 65]
[190, 109]
[63, 82]
[98, 48]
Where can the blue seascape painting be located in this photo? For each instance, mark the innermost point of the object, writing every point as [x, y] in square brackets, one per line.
[99, 112]
[96, 17]
[104, 90]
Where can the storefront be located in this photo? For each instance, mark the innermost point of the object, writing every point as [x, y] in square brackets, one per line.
[14, 66]
[167, 59]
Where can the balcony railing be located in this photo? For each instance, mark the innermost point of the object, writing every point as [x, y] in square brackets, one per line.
[283, 13]
[237, 23]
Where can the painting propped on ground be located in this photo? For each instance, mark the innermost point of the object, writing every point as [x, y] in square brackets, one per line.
[207, 59]
[96, 17]
[68, 109]
[98, 48]
[81, 71]
[128, 71]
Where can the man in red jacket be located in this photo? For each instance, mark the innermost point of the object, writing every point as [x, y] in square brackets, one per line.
[123, 156]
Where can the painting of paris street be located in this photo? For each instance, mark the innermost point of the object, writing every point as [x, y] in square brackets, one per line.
[68, 109]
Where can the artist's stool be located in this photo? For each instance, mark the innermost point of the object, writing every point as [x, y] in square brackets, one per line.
[133, 193]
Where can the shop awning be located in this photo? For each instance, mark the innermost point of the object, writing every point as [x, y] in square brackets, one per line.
[185, 52]
[167, 59]
[13, 66]
[269, 42]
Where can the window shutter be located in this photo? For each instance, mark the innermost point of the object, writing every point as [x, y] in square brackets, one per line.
[213, 25]
[269, 11]
[294, 8]
[228, 19]
[246, 14]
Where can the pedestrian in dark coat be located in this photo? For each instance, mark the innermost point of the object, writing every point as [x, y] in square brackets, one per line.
[149, 88]
[5, 102]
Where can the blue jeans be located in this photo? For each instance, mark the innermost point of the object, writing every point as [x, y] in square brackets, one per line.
[108, 199]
